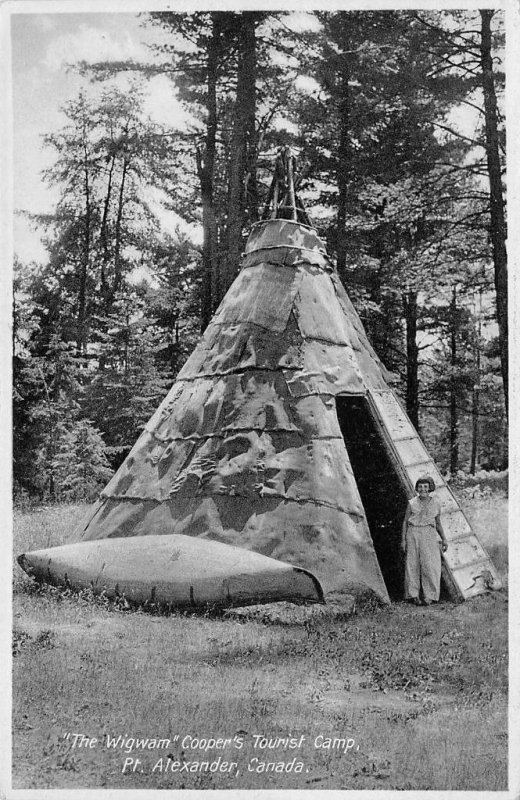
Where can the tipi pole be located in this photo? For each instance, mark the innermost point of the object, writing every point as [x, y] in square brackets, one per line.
[282, 198]
[275, 199]
[290, 183]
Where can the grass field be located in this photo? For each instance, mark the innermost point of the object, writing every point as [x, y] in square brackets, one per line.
[398, 698]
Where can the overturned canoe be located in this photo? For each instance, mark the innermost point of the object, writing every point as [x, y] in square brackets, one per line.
[181, 571]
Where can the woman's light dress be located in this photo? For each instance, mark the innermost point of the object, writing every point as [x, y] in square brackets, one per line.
[423, 555]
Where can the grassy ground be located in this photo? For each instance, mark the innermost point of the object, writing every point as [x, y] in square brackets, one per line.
[417, 697]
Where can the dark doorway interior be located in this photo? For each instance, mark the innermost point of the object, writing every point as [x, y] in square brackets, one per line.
[382, 494]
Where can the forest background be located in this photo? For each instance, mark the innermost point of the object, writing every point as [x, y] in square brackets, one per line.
[397, 123]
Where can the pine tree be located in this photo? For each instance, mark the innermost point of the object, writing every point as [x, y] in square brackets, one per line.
[80, 465]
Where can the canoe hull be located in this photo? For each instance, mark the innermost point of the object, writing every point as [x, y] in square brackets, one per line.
[175, 570]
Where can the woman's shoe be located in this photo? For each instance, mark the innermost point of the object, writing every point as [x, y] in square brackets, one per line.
[416, 601]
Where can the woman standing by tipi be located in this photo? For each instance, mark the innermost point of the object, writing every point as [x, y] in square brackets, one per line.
[422, 523]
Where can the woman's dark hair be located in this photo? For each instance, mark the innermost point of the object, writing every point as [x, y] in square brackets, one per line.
[426, 479]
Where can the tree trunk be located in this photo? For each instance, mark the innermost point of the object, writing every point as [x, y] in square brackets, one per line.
[343, 176]
[81, 338]
[117, 246]
[206, 169]
[242, 141]
[475, 404]
[475, 409]
[412, 357]
[103, 232]
[454, 421]
[498, 224]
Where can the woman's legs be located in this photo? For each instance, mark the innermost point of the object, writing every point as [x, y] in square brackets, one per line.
[412, 577]
[430, 560]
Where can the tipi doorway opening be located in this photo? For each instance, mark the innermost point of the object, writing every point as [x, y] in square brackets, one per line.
[380, 486]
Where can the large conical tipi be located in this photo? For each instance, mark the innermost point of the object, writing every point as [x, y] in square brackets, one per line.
[281, 434]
